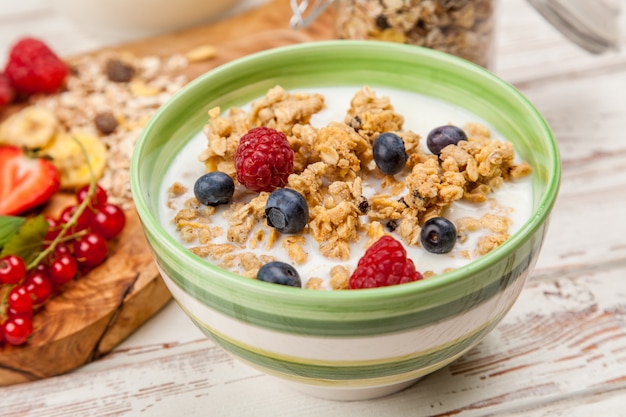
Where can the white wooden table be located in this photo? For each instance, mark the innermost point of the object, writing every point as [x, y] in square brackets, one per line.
[560, 351]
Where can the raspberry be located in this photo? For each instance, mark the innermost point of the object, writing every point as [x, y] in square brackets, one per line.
[264, 159]
[33, 68]
[6, 91]
[384, 263]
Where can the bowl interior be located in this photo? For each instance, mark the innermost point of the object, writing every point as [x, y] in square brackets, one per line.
[346, 63]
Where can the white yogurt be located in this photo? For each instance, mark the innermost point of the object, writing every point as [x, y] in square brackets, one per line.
[421, 115]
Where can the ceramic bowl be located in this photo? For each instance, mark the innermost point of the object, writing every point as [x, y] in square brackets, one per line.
[123, 20]
[356, 344]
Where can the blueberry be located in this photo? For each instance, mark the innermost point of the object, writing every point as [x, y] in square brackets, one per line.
[438, 235]
[279, 273]
[389, 153]
[214, 188]
[286, 211]
[442, 136]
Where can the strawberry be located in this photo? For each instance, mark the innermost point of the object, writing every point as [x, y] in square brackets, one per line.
[34, 68]
[25, 182]
[6, 91]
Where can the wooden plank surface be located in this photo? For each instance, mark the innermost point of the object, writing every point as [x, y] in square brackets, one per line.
[560, 351]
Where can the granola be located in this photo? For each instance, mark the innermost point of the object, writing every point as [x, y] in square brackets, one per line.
[350, 202]
[459, 27]
[111, 96]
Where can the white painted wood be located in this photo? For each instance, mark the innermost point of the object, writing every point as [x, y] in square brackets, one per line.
[561, 351]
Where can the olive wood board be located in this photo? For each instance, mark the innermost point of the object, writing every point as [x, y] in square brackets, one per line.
[94, 313]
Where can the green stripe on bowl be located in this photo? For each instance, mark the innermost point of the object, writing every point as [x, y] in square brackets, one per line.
[327, 372]
[351, 323]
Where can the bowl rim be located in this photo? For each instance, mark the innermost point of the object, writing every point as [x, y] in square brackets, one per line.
[538, 217]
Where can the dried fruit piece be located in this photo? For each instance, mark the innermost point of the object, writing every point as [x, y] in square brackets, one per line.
[25, 182]
[106, 123]
[68, 156]
[384, 263]
[33, 68]
[33, 127]
[201, 53]
[119, 71]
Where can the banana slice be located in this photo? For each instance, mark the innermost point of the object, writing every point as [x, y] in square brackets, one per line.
[32, 127]
[66, 154]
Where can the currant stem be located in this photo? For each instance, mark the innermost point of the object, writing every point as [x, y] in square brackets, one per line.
[4, 302]
[74, 219]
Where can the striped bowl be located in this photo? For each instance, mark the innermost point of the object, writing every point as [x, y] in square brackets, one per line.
[348, 344]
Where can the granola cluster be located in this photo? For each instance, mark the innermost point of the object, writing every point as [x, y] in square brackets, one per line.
[459, 27]
[350, 201]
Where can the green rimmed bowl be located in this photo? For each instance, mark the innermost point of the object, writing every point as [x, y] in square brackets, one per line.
[348, 344]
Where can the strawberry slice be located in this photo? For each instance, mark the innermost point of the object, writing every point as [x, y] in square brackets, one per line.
[25, 182]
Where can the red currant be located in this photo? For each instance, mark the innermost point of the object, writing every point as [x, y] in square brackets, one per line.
[19, 299]
[82, 222]
[12, 269]
[28, 314]
[62, 269]
[39, 286]
[98, 199]
[90, 250]
[54, 228]
[17, 330]
[62, 249]
[108, 221]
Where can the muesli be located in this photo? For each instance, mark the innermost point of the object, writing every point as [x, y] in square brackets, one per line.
[459, 27]
[351, 203]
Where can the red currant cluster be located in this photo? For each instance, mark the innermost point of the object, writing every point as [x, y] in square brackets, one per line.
[75, 243]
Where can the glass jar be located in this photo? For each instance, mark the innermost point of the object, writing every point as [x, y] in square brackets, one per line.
[464, 28]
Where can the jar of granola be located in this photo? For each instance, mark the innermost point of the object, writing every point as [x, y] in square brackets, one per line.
[464, 28]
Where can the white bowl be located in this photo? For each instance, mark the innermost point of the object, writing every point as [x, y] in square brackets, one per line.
[121, 20]
[347, 345]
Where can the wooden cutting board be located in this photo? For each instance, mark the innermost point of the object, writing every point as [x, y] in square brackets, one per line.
[95, 313]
